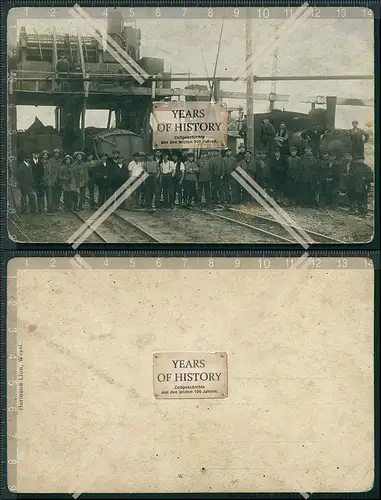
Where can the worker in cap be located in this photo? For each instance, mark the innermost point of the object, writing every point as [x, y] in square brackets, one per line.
[358, 138]
[91, 164]
[82, 177]
[241, 152]
[75, 155]
[293, 188]
[51, 181]
[68, 183]
[277, 173]
[38, 170]
[24, 176]
[135, 170]
[190, 180]
[263, 169]
[313, 137]
[230, 187]
[217, 174]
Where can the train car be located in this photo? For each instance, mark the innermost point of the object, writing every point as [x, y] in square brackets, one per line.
[125, 141]
[336, 140]
[37, 138]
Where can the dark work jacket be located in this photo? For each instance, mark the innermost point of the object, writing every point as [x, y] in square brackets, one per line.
[62, 66]
[25, 176]
[313, 137]
[178, 172]
[90, 166]
[249, 166]
[309, 171]
[204, 174]
[278, 171]
[102, 175]
[38, 172]
[216, 166]
[267, 131]
[293, 168]
[358, 137]
[239, 157]
[359, 178]
[262, 170]
[118, 174]
[229, 165]
[330, 173]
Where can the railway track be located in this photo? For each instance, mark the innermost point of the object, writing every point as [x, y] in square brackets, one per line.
[270, 227]
[118, 228]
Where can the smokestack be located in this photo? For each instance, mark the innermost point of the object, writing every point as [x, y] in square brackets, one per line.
[115, 22]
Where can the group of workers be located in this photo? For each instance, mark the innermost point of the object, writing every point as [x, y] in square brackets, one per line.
[314, 178]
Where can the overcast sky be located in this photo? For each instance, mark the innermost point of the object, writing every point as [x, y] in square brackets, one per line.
[318, 47]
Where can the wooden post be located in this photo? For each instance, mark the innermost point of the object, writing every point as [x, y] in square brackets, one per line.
[273, 83]
[55, 58]
[109, 118]
[313, 105]
[249, 87]
[81, 58]
[83, 116]
[331, 112]
[57, 119]
[217, 90]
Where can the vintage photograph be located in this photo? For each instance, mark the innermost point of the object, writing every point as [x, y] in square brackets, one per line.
[268, 388]
[190, 125]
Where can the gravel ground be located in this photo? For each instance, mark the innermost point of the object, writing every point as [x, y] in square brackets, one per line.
[204, 228]
[44, 228]
[337, 224]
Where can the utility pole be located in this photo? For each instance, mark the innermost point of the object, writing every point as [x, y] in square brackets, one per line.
[274, 73]
[249, 85]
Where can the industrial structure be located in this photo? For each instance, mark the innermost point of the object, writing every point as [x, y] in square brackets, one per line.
[98, 81]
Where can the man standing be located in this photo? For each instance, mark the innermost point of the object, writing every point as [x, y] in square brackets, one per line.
[178, 186]
[168, 170]
[330, 173]
[190, 180]
[68, 183]
[91, 163]
[241, 153]
[250, 167]
[38, 170]
[278, 170]
[118, 171]
[309, 177]
[217, 174]
[204, 179]
[81, 176]
[135, 169]
[101, 176]
[359, 181]
[262, 169]
[358, 137]
[313, 138]
[51, 181]
[62, 69]
[293, 177]
[24, 177]
[229, 163]
[267, 136]
[282, 141]
[152, 182]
